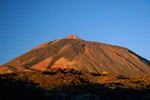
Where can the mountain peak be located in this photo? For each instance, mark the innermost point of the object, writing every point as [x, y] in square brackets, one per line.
[75, 53]
[72, 36]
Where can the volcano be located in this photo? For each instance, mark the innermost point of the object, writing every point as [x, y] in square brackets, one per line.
[73, 52]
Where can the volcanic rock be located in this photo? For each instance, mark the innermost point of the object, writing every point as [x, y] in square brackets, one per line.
[73, 52]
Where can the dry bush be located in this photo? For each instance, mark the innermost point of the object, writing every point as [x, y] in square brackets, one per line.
[74, 82]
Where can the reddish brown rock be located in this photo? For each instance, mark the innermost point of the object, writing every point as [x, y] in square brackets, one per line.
[73, 52]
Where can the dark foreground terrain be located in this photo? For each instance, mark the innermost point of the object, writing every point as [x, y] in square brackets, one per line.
[69, 84]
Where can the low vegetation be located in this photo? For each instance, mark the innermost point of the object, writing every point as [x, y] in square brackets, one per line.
[69, 84]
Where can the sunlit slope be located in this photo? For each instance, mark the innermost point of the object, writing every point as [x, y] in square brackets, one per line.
[73, 52]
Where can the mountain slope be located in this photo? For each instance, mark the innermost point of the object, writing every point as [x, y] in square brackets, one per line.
[73, 52]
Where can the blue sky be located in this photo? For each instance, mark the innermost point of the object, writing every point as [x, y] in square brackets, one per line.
[25, 24]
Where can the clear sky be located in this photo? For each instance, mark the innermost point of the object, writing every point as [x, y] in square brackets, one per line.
[25, 24]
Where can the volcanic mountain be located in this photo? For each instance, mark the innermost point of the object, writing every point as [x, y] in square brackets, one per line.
[73, 52]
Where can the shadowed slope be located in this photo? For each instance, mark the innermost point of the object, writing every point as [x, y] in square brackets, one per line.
[73, 52]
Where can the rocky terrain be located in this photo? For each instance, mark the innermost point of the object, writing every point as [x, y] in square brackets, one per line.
[69, 84]
[74, 69]
[73, 52]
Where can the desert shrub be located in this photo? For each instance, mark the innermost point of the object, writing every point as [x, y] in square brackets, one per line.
[73, 83]
[54, 78]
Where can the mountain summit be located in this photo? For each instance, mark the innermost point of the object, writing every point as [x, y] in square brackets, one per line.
[73, 52]
[72, 37]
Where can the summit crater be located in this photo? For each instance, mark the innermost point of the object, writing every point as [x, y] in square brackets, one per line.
[72, 36]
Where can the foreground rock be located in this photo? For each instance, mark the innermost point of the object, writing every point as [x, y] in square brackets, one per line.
[68, 84]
